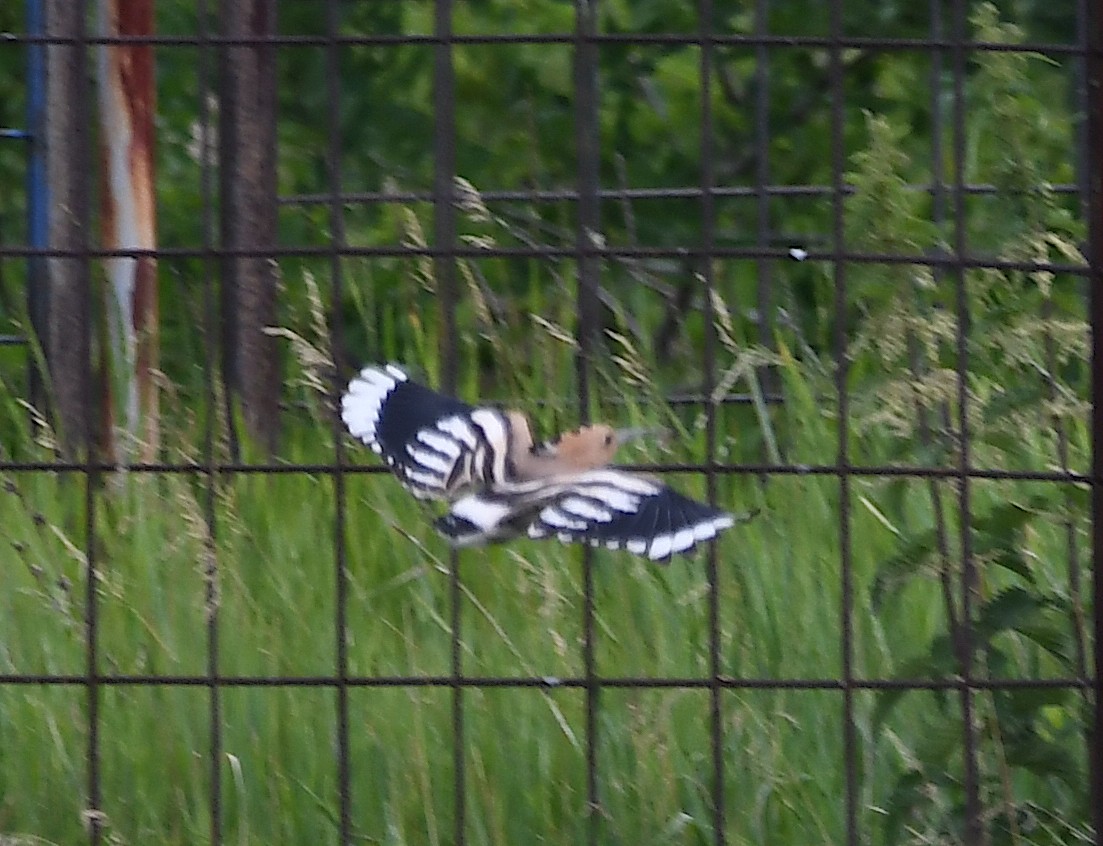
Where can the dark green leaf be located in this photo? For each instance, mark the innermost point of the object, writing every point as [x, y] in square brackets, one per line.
[895, 572]
[1008, 609]
[1045, 758]
[937, 663]
[1011, 558]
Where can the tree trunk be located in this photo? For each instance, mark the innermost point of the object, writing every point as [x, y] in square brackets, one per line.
[68, 343]
[247, 177]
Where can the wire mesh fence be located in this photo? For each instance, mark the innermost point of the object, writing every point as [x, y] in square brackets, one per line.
[849, 258]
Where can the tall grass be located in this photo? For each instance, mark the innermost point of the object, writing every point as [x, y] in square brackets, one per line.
[259, 549]
[779, 583]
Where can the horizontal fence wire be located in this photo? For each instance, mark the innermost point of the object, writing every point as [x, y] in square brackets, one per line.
[809, 254]
[951, 47]
[549, 682]
[721, 468]
[675, 193]
[642, 39]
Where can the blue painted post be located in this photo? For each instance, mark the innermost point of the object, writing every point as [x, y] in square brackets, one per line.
[38, 301]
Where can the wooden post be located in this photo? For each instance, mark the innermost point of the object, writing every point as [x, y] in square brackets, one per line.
[67, 342]
[247, 174]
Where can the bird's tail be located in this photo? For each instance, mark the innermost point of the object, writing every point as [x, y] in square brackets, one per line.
[459, 531]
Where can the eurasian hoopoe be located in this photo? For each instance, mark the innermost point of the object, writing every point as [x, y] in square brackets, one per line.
[502, 485]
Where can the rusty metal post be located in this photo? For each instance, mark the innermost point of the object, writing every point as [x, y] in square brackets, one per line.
[247, 173]
[127, 98]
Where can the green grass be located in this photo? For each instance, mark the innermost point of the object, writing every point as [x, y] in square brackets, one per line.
[521, 615]
[779, 574]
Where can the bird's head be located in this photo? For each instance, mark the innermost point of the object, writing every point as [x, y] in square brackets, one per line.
[594, 446]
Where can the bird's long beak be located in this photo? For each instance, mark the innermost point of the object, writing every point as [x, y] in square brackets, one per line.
[626, 435]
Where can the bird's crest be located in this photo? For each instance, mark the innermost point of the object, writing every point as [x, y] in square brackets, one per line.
[587, 447]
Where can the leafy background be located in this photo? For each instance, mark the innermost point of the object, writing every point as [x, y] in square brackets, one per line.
[270, 538]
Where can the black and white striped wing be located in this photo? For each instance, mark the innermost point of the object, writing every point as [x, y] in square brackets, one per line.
[438, 446]
[625, 511]
[600, 507]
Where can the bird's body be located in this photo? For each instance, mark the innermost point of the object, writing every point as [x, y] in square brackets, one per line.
[501, 484]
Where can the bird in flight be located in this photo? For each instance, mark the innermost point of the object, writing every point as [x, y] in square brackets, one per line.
[500, 484]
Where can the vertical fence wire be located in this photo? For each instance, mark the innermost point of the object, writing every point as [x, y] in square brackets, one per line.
[974, 832]
[764, 267]
[1081, 100]
[94, 816]
[1093, 107]
[444, 176]
[444, 240]
[337, 241]
[842, 357]
[212, 599]
[1074, 569]
[706, 280]
[77, 52]
[588, 225]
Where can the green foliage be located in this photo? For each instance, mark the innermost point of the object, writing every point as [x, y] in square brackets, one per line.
[266, 558]
[1024, 342]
